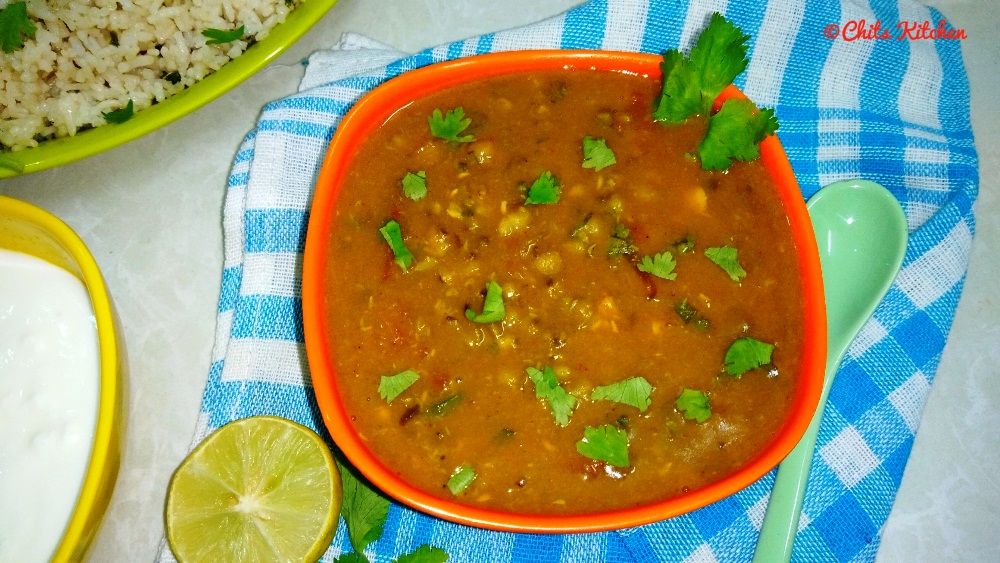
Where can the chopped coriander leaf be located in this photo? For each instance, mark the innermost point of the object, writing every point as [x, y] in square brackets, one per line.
[493, 310]
[461, 479]
[543, 190]
[618, 247]
[694, 405]
[220, 36]
[621, 242]
[15, 26]
[585, 228]
[725, 258]
[689, 314]
[685, 311]
[449, 125]
[393, 235]
[364, 511]
[547, 387]
[424, 554]
[734, 132]
[660, 265]
[392, 385]
[633, 392]
[605, 443]
[746, 354]
[691, 84]
[120, 115]
[443, 407]
[685, 245]
[596, 154]
[415, 185]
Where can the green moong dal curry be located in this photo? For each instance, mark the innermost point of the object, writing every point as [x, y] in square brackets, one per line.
[539, 301]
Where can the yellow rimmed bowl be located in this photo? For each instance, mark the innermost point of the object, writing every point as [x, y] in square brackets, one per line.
[56, 152]
[31, 230]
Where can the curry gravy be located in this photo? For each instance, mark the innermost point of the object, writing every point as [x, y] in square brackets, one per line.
[570, 304]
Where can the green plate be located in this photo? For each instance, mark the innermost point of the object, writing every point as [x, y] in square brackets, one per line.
[93, 141]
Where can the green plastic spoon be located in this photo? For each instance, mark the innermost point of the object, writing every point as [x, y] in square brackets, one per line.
[861, 232]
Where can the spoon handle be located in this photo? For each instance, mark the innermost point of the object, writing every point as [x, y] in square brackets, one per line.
[856, 276]
[781, 520]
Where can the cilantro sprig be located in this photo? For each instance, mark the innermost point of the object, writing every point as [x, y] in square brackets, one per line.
[449, 125]
[219, 36]
[660, 265]
[734, 133]
[393, 235]
[15, 26]
[364, 511]
[633, 391]
[605, 443]
[726, 258]
[691, 84]
[596, 154]
[547, 388]
[746, 354]
[415, 185]
[391, 386]
[424, 554]
[493, 309]
[543, 190]
[694, 405]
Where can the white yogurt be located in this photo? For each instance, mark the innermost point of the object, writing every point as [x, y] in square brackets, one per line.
[49, 380]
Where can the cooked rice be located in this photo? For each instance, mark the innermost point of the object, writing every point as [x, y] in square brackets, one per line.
[72, 72]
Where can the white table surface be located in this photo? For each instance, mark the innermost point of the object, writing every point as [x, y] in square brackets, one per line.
[151, 213]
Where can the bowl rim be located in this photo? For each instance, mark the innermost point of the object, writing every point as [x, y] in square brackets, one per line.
[64, 150]
[369, 113]
[102, 467]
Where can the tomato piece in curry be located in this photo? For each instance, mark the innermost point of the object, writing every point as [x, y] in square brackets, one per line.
[575, 296]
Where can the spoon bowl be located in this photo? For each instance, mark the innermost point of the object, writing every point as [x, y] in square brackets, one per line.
[861, 233]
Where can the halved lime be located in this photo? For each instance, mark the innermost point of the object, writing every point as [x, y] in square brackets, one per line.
[258, 489]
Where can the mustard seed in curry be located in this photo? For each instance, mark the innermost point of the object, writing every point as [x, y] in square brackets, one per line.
[542, 303]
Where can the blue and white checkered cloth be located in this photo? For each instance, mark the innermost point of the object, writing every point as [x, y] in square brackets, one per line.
[892, 111]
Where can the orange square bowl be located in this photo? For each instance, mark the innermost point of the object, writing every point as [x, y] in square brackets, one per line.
[369, 114]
